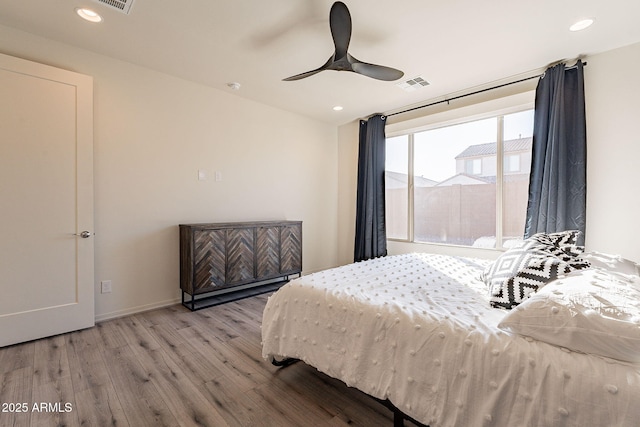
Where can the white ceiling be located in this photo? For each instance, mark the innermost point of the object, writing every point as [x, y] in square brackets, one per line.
[455, 44]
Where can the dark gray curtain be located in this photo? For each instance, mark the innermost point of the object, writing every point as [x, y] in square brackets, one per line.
[371, 238]
[558, 180]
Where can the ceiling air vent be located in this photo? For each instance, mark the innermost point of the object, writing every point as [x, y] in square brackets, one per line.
[123, 6]
[413, 84]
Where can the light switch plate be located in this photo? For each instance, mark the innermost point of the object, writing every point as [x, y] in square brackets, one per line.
[105, 286]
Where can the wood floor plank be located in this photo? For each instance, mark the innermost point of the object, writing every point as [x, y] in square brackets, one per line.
[199, 369]
[174, 367]
[109, 335]
[293, 406]
[16, 388]
[54, 404]
[137, 335]
[50, 360]
[88, 368]
[209, 321]
[97, 400]
[140, 400]
[99, 406]
[231, 362]
[182, 397]
[234, 403]
[162, 315]
[17, 356]
[251, 352]
[242, 326]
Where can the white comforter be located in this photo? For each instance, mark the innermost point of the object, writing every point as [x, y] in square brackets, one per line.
[418, 330]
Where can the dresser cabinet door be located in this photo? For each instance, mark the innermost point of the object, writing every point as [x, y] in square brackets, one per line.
[209, 260]
[240, 258]
[291, 249]
[267, 252]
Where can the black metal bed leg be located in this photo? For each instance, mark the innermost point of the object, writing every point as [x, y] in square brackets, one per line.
[398, 419]
[284, 362]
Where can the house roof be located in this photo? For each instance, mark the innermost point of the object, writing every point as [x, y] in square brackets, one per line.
[466, 179]
[399, 180]
[489, 149]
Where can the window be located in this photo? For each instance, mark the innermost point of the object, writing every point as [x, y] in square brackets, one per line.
[511, 163]
[446, 185]
[397, 187]
[473, 166]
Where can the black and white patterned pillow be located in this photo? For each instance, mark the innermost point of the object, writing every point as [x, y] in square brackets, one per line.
[563, 245]
[524, 269]
[560, 238]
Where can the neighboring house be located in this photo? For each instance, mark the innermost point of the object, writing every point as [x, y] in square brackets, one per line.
[395, 180]
[464, 179]
[477, 165]
[479, 160]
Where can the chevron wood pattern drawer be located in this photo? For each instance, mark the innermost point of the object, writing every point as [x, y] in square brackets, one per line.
[216, 258]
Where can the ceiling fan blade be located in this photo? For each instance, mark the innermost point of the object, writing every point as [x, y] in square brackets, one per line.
[310, 73]
[374, 71]
[340, 23]
[341, 60]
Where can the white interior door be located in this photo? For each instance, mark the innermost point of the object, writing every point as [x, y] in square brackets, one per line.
[46, 194]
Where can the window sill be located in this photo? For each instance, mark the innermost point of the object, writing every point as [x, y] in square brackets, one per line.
[396, 247]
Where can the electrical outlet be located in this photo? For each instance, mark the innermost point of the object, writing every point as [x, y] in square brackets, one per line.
[105, 286]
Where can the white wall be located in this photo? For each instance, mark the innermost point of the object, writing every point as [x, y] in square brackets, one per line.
[152, 133]
[612, 93]
[612, 97]
[347, 178]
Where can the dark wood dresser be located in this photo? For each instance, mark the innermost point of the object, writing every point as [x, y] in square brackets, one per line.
[227, 261]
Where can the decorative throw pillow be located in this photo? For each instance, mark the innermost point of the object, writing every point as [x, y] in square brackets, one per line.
[560, 238]
[562, 244]
[612, 263]
[594, 311]
[524, 269]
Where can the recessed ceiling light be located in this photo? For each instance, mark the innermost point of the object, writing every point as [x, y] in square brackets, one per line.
[581, 25]
[88, 15]
[337, 108]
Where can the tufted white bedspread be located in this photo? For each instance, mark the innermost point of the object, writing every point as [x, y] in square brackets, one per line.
[417, 329]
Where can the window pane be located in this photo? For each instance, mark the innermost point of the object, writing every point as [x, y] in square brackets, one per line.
[397, 186]
[518, 131]
[454, 184]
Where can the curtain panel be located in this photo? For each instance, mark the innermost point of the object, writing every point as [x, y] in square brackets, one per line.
[558, 180]
[371, 239]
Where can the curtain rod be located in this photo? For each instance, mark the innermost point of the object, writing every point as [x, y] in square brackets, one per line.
[447, 100]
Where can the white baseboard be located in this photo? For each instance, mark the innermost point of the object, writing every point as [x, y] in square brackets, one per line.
[134, 310]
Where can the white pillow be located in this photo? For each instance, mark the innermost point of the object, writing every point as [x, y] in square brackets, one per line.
[613, 263]
[592, 311]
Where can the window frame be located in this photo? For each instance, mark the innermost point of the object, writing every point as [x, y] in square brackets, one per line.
[445, 120]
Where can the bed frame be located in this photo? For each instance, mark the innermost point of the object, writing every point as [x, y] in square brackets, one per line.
[399, 417]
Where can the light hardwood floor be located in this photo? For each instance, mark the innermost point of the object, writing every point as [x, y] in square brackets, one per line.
[172, 367]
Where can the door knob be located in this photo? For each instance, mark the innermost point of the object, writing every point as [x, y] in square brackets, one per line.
[85, 234]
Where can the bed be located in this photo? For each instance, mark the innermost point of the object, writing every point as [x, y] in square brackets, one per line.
[420, 331]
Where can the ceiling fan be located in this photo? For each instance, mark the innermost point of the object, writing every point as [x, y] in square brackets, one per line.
[341, 60]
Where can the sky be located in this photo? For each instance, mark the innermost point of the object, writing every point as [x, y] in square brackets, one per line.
[436, 149]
